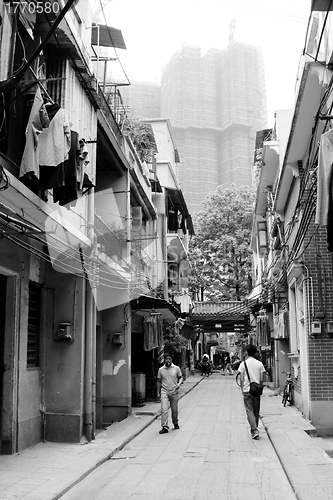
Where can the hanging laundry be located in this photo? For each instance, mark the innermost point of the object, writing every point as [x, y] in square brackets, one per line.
[27, 16]
[263, 332]
[179, 324]
[185, 302]
[173, 220]
[84, 173]
[284, 323]
[183, 224]
[51, 176]
[38, 119]
[55, 142]
[160, 355]
[324, 207]
[153, 332]
[67, 194]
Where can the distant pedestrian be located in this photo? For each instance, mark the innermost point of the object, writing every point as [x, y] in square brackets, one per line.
[252, 403]
[206, 365]
[169, 380]
[227, 365]
[235, 362]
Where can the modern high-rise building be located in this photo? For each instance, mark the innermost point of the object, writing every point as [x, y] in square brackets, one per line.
[216, 102]
[143, 99]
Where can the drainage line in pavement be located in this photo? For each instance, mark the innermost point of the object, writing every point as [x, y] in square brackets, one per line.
[116, 450]
[284, 469]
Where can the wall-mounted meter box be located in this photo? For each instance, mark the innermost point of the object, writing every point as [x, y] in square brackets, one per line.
[64, 333]
[117, 338]
[315, 327]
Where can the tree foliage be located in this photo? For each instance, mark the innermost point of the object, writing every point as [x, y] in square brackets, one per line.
[220, 254]
[174, 343]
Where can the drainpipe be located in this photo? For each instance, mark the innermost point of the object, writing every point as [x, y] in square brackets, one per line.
[309, 301]
[88, 365]
[127, 310]
[94, 373]
[89, 332]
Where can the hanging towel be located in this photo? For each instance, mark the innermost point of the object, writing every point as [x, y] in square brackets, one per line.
[30, 162]
[55, 142]
[324, 206]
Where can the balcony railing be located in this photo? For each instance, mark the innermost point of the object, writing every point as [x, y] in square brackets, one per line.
[108, 240]
[113, 109]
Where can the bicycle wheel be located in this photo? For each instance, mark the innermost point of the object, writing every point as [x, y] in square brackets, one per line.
[285, 396]
[290, 395]
[238, 379]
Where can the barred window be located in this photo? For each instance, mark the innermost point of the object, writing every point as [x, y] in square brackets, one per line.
[34, 314]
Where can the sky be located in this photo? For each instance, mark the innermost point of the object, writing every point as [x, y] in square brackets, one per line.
[153, 30]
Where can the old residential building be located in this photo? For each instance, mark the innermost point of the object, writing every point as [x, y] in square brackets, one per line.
[292, 231]
[78, 205]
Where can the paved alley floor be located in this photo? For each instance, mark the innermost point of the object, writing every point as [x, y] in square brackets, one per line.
[211, 456]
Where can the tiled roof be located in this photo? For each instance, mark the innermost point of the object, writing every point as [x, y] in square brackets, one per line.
[222, 308]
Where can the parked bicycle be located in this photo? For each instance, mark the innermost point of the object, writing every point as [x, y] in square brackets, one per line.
[288, 390]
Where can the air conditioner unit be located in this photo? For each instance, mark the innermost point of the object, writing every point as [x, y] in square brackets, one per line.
[315, 327]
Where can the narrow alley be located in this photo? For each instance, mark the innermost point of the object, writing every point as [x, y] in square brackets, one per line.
[211, 456]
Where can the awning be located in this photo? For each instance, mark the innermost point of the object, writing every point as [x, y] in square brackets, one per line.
[321, 5]
[108, 37]
[147, 304]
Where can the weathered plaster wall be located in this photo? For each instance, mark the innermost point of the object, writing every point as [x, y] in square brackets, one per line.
[116, 365]
[63, 360]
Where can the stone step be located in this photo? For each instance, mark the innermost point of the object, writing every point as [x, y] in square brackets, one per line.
[326, 443]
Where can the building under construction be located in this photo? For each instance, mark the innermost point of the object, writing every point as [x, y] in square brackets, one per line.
[216, 102]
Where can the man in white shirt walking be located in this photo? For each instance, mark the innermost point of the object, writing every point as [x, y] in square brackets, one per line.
[169, 379]
[252, 403]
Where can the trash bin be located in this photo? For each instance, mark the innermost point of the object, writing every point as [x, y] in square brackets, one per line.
[138, 388]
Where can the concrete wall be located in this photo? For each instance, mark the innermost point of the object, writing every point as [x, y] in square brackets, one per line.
[10, 375]
[21, 426]
[322, 417]
[64, 360]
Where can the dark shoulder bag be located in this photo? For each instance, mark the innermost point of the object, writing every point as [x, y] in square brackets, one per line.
[255, 388]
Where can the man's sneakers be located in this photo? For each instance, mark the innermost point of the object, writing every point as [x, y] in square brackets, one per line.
[255, 435]
[165, 430]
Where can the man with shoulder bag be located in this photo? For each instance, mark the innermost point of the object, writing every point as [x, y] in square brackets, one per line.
[251, 380]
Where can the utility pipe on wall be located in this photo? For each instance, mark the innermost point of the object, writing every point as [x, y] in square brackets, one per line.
[89, 331]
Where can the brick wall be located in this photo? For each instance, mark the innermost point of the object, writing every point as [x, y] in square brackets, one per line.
[319, 263]
[321, 368]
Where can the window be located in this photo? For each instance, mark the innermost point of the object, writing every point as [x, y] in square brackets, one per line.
[34, 314]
